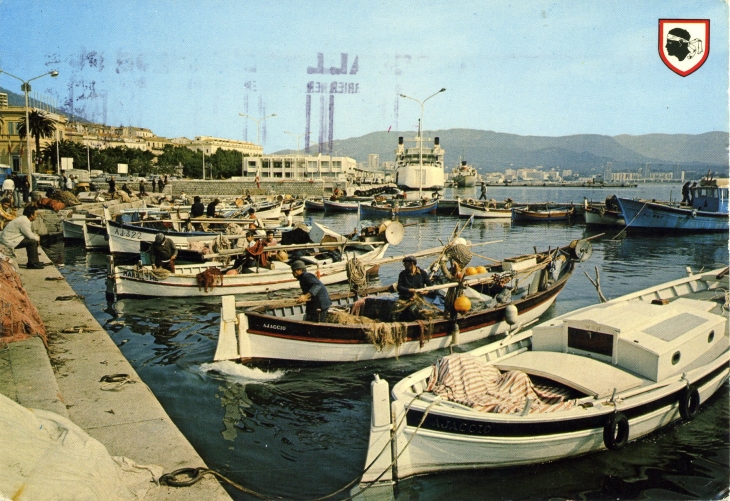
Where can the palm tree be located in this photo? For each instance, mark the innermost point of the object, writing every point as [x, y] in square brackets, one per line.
[41, 125]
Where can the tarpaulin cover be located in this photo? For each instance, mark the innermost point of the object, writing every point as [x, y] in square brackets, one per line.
[470, 381]
[46, 457]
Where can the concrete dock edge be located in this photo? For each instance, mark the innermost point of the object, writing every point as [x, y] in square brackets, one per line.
[128, 420]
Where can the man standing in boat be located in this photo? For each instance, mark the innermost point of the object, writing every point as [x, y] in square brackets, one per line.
[685, 193]
[483, 196]
[314, 293]
[163, 252]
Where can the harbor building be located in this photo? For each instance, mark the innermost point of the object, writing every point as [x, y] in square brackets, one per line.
[299, 167]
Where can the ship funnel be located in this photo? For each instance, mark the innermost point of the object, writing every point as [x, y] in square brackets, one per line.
[436, 141]
[400, 139]
[463, 162]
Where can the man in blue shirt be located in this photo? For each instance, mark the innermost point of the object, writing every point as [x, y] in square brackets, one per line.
[314, 293]
[411, 278]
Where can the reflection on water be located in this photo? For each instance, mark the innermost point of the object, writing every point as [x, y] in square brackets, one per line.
[300, 431]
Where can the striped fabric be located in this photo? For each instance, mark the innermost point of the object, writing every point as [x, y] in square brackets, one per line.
[467, 380]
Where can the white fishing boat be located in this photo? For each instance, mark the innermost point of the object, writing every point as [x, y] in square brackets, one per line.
[510, 295]
[464, 175]
[419, 164]
[210, 279]
[590, 380]
[95, 236]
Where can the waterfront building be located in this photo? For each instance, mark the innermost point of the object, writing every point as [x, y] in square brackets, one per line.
[300, 167]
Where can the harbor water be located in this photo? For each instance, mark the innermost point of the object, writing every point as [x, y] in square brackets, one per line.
[299, 431]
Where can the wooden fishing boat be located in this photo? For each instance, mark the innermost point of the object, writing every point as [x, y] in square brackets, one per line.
[483, 210]
[526, 214]
[143, 281]
[708, 213]
[279, 332]
[95, 236]
[314, 205]
[396, 208]
[606, 214]
[337, 206]
[587, 381]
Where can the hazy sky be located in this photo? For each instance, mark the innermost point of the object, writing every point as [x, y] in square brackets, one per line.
[188, 68]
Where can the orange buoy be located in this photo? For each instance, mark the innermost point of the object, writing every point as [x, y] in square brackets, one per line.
[462, 304]
[470, 271]
[481, 269]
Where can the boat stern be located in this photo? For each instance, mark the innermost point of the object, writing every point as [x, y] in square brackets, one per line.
[231, 346]
[379, 461]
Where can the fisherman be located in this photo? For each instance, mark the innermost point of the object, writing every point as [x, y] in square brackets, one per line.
[483, 195]
[197, 209]
[685, 193]
[112, 186]
[18, 233]
[163, 252]
[210, 211]
[411, 278]
[314, 293]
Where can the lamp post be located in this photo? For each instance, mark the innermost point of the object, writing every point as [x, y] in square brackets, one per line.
[26, 89]
[258, 127]
[420, 136]
[297, 136]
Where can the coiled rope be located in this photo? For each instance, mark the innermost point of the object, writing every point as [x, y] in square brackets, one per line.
[185, 477]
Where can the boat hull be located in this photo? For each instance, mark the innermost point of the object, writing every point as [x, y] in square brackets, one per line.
[528, 216]
[95, 236]
[130, 282]
[397, 210]
[73, 229]
[644, 215]
[602, 217]
[431, 436]
[128, 239]
[482, 212]
[416, 177]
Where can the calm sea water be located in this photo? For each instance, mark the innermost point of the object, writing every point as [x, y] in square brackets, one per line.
[300, 431]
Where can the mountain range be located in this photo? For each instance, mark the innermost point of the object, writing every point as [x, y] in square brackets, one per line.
[490, 151]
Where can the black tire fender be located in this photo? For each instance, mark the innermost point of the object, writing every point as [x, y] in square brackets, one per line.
[689, 403]
[616, 431]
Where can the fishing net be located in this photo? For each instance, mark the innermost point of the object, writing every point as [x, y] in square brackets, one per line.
[19, 318]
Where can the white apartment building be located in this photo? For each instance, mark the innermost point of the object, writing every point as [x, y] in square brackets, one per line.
[299, 167]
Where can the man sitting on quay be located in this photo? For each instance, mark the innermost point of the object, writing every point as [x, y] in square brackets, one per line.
[18, 233]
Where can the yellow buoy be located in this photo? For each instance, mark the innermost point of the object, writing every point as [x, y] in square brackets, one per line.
[470, 271]
[481, 269]
[462, 304]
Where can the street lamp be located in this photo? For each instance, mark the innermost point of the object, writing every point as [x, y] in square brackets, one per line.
[420, 135]
[26, 88]
[297, 136]
[258, 126]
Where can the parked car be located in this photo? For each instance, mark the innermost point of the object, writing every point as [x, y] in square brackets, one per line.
[42, 182]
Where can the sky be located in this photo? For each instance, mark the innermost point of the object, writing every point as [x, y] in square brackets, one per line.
[336, 69]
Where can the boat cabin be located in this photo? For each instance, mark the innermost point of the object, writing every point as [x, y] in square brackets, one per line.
[653, 340]
[711, 195]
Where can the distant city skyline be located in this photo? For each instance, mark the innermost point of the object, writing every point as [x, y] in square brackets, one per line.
[336, 71]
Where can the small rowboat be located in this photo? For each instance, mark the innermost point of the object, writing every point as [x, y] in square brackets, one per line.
[483, 211]
[395, 208]
[525, 215]
[590, 380]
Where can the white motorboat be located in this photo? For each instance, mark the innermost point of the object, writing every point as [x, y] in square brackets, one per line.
[590, 380]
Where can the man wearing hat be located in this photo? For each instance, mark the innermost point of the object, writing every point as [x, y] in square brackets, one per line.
[163, 252]
[411, 278]
[314, 293]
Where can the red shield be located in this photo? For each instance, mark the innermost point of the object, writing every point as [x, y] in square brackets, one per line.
[684, 44]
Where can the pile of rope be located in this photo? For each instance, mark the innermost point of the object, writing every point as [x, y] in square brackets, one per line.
[426, 310]
[383, 334]
[345, 318]
[152, 273]
[356, 275]
[19, 318]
